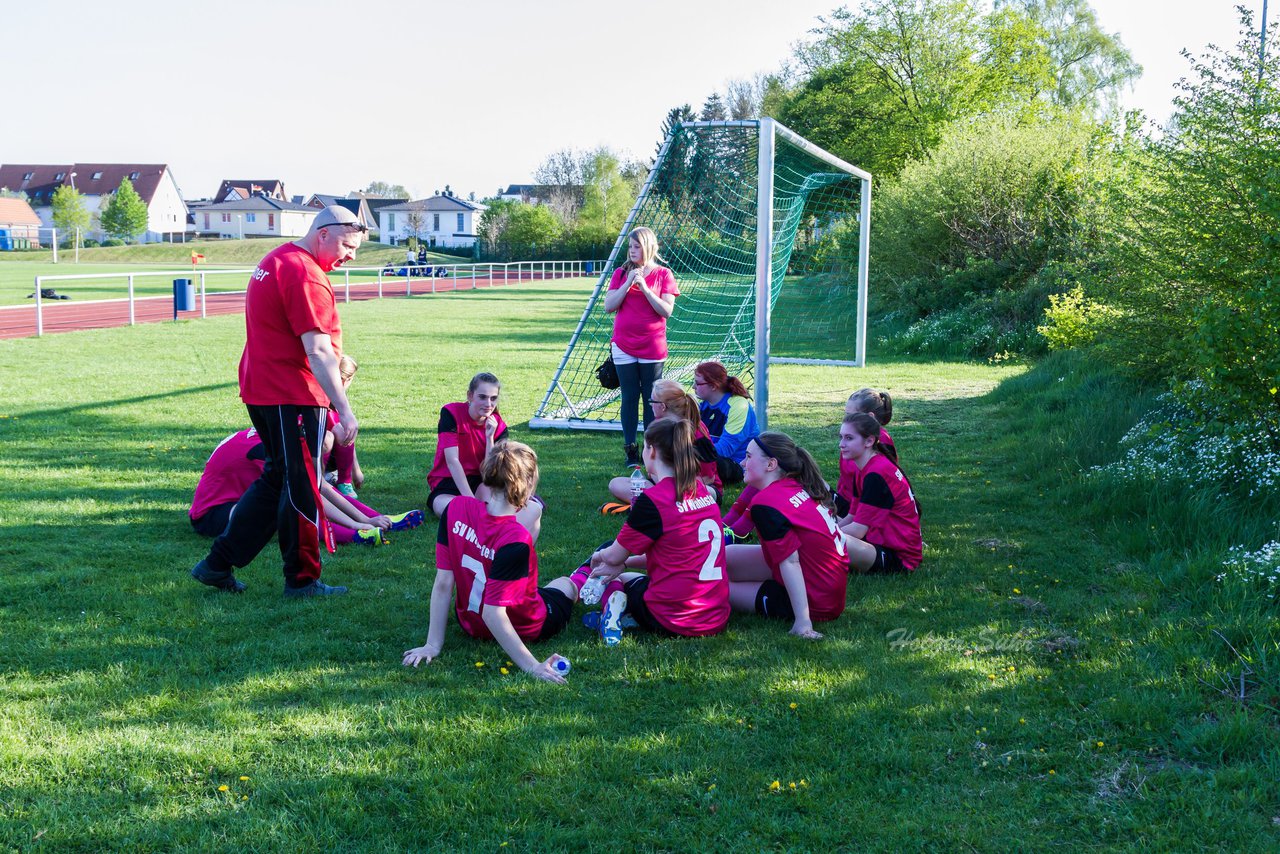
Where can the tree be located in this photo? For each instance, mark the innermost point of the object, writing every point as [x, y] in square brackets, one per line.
[713, 109]
[560, 179]
[6, 193]
[125, 217]
[675, 115]
[607, 197]
[387, 191]
[69, 212]
[413, 224]
[508, 229]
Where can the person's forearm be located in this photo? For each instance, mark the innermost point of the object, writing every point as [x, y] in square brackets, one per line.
[324, 366]
[441, 596]
[459, 475]
[499, 625]
[793, 580]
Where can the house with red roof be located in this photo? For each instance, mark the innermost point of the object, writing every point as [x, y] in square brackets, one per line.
[166, 212]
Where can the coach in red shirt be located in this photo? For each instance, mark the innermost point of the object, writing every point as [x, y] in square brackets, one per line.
[288, 378]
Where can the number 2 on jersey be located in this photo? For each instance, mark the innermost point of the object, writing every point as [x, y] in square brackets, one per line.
[710, 530]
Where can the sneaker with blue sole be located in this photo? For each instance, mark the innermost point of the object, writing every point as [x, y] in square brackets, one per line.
[611, 618]
[315, 588]
[227, 581]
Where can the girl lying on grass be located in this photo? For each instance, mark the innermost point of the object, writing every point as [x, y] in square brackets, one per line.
[883, 531]
[799, 570]
[484, 553]
[675, 525]
[671, 401]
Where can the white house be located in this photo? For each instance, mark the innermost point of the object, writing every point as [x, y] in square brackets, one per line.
[256, 216]
[438, 221]
[166, 212]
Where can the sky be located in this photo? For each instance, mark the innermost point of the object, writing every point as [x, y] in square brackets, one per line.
[475, 94]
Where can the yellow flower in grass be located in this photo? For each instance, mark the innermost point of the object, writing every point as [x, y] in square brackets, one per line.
[244, 779]
[792, 786]
[504, 671]
[775, 786]
[224, 787]
[1052, 772]
[804, 784]
[1102, 744]
[794, 706]
[479, 664]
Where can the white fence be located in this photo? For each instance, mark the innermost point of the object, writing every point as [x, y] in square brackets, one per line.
[392, 279]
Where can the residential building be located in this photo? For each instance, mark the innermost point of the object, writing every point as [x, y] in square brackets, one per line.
[440, 220]
[19, 225]
[256, 216]
[166, 212]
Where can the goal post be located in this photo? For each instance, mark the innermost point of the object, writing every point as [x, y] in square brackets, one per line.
[768, 237]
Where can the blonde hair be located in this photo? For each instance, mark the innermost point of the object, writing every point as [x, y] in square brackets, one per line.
[678, 402]
[347, 367]
[512, 468]
[648, 247]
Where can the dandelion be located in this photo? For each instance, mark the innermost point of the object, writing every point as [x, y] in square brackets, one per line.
[224, 787]
[711, 788]
[504, 671]
[479, 664]
[243, 779]
[775, 786]
[1052, 772]
[1016, 590]
[794, 706]
[791, 786]
[991, 676]
[1102, 744]
[804, 784]
[1022, 720]
[244, 797]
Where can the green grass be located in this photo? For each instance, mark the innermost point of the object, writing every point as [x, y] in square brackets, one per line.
[19, 269]
[1041, 641]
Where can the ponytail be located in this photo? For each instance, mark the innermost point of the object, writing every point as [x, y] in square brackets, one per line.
[679, 402]
[715, 374]
[875, 401]
[672, 440]
[797, 464]
[512, 469]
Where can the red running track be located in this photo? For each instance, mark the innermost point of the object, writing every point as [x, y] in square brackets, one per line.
[69, 316]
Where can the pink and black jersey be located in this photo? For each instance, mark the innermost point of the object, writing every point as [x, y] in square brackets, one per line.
[887, 506]
[705, 449]
[456, 429]
[493, 563]
[739, 516]
[788, 520]
[846, 496]
[231, 469]
[683, 542]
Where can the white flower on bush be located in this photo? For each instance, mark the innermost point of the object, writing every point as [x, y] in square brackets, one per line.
[1262, 565]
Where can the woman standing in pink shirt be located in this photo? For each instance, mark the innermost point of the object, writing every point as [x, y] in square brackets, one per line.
[642, 294]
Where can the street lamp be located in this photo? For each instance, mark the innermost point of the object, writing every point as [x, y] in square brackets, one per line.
[73, 180]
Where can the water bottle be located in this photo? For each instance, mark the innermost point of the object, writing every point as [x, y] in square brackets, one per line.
[638, 483]
[561, 666]
[591, 591]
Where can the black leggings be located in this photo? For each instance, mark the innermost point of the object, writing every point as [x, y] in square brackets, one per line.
[636, 384]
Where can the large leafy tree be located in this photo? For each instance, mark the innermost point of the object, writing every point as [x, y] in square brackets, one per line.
[69, 211]
[386, 190]
[125, 216]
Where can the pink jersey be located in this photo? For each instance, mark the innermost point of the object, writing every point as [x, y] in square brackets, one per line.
[684, 544]
[705, 448]
[739, 516]
[638, 330]
[456, 429]
[887, 506]
[493, 563]
[787, 520]
[848, 469]
[231, 469]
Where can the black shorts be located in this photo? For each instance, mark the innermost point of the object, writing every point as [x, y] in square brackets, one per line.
[886, 562]
[448, 487]
[639, 609]
[559, 609]
[214, 520]
[773, 600]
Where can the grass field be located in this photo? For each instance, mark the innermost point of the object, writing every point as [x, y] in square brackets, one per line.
[19, 269]
[1034, 685]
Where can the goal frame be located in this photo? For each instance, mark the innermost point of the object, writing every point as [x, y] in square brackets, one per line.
[769, 131]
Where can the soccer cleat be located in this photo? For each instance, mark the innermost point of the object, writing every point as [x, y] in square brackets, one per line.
[404, 521]
[315, 588]
[370, 537]
[205, 574]
[346, 489]
[614, 508]
[611, 618]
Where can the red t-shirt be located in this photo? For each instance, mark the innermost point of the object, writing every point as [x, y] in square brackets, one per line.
[232, 467]
[787, 520]
[637, 329]
[705, 448]
[456, 429]
[288, 295]
[845, 493]
[684, 544]
[493, 563]
[887, 506]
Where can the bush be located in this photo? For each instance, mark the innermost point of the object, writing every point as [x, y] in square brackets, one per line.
[1073, 321]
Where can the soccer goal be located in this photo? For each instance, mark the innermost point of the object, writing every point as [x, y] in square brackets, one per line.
[767, 235]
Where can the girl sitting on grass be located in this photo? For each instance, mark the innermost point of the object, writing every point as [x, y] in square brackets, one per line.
[484, 553]
[466, 432]
[671, 401]
[880, 405]
[799, 570]
[675, 524]
[883, 533]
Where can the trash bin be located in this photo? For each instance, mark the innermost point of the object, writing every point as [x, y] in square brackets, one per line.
[184, 295]
[589, 268]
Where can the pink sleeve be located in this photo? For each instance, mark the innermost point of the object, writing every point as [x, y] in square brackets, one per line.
[668, 285]
[615, 281]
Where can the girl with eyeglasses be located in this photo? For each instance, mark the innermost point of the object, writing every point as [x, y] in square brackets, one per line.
[730, 418]
[800, 569]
